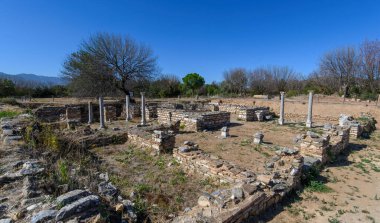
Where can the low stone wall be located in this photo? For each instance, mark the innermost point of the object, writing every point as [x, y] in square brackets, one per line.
[159, 138]
[234, 109]
[110, 113]
[214, 120]
[324, 147]
[77, 112]
[50, 113]
[151, 112]
[254, 114]
[251, 194]
[194, 121]
[196, 161]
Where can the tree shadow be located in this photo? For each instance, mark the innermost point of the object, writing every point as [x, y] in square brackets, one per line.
[235, 124]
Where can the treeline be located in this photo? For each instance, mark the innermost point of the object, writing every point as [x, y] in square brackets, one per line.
[114, 65]
[9, 89]
[111, 65]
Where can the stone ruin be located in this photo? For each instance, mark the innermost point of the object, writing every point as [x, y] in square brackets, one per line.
[323, 147]
[251, 193]
[160, 138]
[255, 114]
[362, 126]
[194, 121]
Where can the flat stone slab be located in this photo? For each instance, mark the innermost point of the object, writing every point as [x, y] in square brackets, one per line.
[81, 205]
[43, 216]
[71, 196]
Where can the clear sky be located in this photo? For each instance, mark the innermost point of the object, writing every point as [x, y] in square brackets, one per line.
[207, 37]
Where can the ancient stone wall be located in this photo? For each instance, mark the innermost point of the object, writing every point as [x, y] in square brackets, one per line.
[324, 147]
[110, 113]
[234, 109]
[151, 112]
[50, 113]
[194, 121]
[251, 194]
[161, 139]
[254, 114]
[213, 120]
[79, 112]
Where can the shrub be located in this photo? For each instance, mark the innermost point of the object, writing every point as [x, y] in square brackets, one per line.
[9, 101]
[318, 186]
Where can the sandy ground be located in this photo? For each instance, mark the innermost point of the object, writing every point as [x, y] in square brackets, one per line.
[239, 148]
[355, 182]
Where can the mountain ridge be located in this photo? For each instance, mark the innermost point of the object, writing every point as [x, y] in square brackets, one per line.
[33, 79]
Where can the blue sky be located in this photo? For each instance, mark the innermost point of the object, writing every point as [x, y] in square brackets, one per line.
[207, 37]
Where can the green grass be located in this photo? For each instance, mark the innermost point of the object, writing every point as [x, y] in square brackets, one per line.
[318, 186]
[8, 114]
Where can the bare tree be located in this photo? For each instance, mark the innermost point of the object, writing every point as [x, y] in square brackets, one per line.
[87, 77]
[125, 61]
[236, 80]
[273, 79]
[370, 64]
[342, 65]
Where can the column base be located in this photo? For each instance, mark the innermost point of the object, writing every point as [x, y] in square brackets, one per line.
[281, 122]
[309, 124]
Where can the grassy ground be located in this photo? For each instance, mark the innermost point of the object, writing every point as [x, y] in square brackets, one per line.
[157, 184]
[8, 114]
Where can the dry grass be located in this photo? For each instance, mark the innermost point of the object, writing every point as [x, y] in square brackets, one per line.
[158, 184]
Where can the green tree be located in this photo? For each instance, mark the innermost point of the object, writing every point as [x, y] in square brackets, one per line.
[193, 81]
[7, 88]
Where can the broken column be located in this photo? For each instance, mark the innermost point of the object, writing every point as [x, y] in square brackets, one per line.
[101, 112]
[90, 112]
[127, 117]
[225, 132]
[309, 121]
[258, 138]
[143, 119]
[281, 119]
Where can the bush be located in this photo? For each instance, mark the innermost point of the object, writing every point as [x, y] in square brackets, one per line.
[318, 186]
[9, 101]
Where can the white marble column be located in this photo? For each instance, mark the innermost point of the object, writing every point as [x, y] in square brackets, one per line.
[309, 122]
[281, 119]
[127, 117]
[90, 113]
[101, 112]
[143, 119]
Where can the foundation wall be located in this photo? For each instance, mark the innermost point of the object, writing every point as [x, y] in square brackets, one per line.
[192, 121]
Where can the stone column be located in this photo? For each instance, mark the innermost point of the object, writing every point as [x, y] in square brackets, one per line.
[127, 117]
[309, 121]
[281, 119]
[90, 113]
[101, 112]
[143, 119]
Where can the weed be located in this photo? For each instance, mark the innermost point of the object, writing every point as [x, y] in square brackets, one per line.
[370, 218]
[143, 188]
[325, 208]
[63, 172]
[361, 166]
[318, 186]
[160, 162]
[8, 114]
[245, 142]
[179, 178]
[333, 220]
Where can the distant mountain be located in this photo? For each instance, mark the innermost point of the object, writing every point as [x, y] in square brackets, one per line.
[33, 79]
